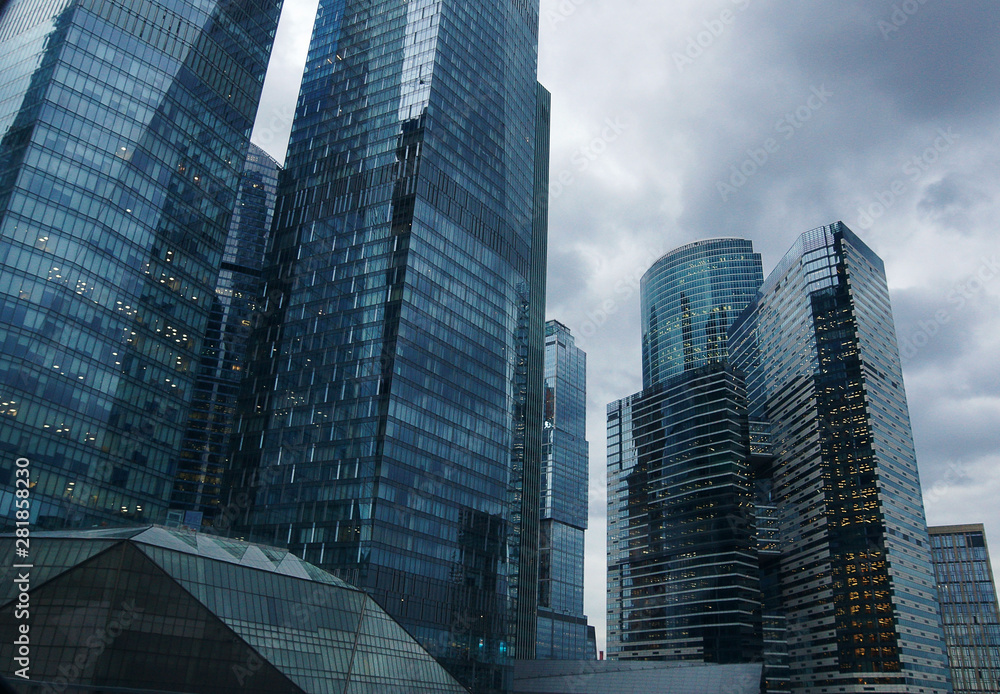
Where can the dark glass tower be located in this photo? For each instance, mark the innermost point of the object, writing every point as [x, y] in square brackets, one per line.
[968, 606]
[562, 626]
[682, 554]
[390, 431]
[682, 561]
[124, 129]
[819, 350]
[197, 491]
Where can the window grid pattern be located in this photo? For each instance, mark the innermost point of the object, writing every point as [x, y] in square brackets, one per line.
[384, 427]
[689, 297]
[198, 488]
[125, 127]
[819, 350]
[562, 626]
[682, 559]
[968, 607]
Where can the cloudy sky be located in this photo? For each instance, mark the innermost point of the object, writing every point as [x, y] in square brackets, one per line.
[680, 120]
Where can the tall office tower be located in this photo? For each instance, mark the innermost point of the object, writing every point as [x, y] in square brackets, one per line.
[968, 607]
[819, 351]
[682, 554]
[391, 431]
[562, 626]
[124, 129]
[198, 488]
[689, 298]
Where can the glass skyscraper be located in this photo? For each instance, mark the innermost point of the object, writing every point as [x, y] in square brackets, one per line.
[819, 352]
[968, 606]
[683, 570]
[123, 132]
[682, 561]
[198, 489]
[562, 626]
[689, 298]
[390, 431]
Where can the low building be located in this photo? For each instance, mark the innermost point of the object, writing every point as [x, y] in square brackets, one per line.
[968, 607]
[171, 610]
[634, 677]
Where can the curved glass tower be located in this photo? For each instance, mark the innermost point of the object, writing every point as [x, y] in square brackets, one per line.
[682, 555]
[689, 298]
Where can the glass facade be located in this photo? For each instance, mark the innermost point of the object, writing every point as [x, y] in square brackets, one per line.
[819, 352]
[562, 626]
[770, 541]
[198, 489]
[968, 607]
[684, 580]
[389, 430]
[124, 131]
[689, 297]
[175, 611]
[683, 570]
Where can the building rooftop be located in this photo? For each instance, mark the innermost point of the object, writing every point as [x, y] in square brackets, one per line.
[200, 614]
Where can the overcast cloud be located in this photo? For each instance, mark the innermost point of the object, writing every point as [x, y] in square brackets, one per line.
[675, 121]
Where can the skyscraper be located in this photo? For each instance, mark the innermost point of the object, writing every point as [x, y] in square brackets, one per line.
[968, 606]
[819, 352]
[689, 297]
[390, 431]
[562, 626]
[682, 557]
[124, 130]
[198, 488]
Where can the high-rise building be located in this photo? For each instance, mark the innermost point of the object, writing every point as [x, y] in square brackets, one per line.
[391, 430]
[766, 519]
[857, 588]
[562, 626]
[124, 128]
[683, 569]
[968, 606]
[682, 562]
[689, 298]
[198, 489]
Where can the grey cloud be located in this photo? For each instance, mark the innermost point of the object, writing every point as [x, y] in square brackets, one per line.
[953, 430]
[933, 330]
[954, 203]
[892, 99]
[936, 62]
[946, 194]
